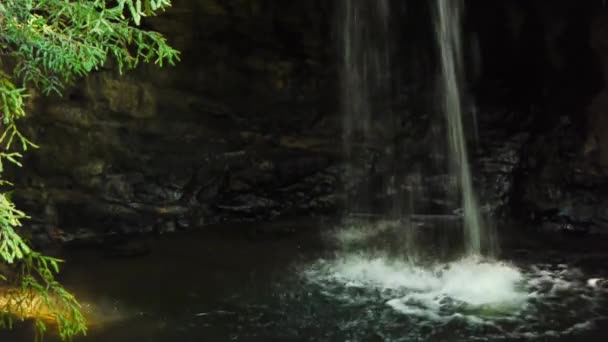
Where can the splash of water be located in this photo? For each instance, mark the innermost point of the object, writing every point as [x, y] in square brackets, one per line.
[448, 31]
[494, 283]
[498, 299]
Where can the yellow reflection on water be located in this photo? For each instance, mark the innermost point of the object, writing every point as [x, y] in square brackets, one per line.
[27, 304]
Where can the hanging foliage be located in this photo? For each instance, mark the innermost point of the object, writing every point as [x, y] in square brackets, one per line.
[45, 45]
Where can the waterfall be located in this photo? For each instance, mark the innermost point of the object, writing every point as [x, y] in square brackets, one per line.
[364, 77]
[449, 38]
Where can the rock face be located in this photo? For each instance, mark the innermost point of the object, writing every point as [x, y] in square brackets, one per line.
[596, 144]
[241, 129]
[247, 127]
[562, 184]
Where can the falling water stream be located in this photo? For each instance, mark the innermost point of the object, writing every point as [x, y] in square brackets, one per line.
[365, 78]
[364, 65]
[358, 282]
[449, 37]
[467, 298]
[364, 72]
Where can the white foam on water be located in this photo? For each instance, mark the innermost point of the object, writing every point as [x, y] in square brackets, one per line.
[375, 272]
[542, 300]
[469, 281]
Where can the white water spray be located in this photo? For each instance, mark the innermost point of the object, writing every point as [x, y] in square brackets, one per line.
[369, 271]
[364, 76]
[365, 64]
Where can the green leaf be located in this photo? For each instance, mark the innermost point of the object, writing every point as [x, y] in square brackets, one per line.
[53, 43]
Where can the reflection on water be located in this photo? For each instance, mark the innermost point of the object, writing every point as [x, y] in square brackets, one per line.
[28, 304]
[226, 287]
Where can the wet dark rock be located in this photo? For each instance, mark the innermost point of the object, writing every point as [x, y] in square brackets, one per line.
[183, 223]
[248, 113]
[166, 227]
[556, 189]
[120, 187]
[247, 128]
[564, 227]
[209, 191]
[289, 171]
[498, 159]
[249, 204]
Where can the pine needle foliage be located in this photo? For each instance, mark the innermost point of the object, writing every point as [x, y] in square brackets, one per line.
[45, 45]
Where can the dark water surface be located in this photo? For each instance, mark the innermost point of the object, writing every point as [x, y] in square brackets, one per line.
[224, 286]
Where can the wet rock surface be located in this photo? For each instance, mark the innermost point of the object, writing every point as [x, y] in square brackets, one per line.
[558, 192]
[562, 182]
[242, 129]
[248, 128]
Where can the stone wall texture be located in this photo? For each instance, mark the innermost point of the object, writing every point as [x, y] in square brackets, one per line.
[247, 126]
